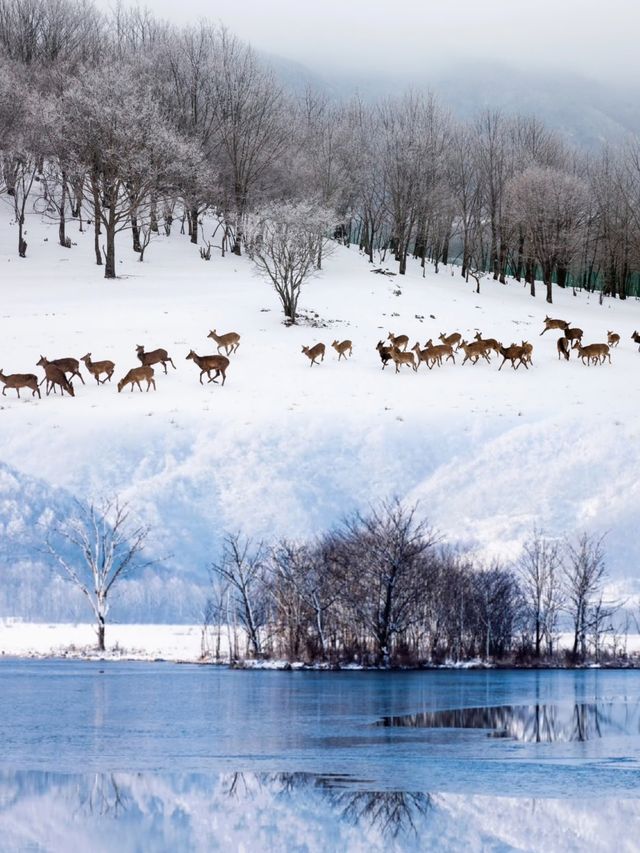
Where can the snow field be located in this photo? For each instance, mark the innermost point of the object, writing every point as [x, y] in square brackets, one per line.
[285, 449]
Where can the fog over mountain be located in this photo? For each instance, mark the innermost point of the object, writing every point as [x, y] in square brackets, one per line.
[587, 112]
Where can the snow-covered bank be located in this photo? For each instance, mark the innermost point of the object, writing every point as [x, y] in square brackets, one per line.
[285, 450]
[183, 643]
[134, 642]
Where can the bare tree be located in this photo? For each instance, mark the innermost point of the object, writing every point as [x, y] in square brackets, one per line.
[539, 570]
[284, 241]
[242, 567]
[585, 573]
[95, 549]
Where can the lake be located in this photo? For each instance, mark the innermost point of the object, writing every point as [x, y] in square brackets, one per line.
[140, 756]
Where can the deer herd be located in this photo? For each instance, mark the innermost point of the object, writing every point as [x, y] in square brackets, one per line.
[396, 349]
[59, 372]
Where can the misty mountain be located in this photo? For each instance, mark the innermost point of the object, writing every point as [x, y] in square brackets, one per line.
[588, 113]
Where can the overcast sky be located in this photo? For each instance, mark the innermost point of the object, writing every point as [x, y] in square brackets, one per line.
[597, 38]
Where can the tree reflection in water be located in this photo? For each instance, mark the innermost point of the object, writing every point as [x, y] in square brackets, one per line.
[391, 813]
[540, 723]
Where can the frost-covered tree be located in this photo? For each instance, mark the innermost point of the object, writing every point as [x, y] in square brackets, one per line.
[95, 549]
[284, 241]
[118, 132]
[251, 125]
[549, 206]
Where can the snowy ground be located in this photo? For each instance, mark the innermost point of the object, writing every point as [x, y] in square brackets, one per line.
[144, 642]
[285, 449]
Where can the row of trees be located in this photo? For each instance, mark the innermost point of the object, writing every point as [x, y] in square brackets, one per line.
[123, 122]
[382, 588]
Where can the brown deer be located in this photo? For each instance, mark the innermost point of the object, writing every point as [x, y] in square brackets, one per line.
[18, 381]
[207, 363]
[554, 324]
[490, 343]
[54, 375]
[528, 352]
[474, 351]
[230, 341]
[613, 339]
[68, 365]
[384, 353]
[96, 368]
[440, 351]
[342, 348]
[594, 353]
[423, 355]
[514, 353]
[137, 375]
[156, 356]
[399, 341]
[563, 348]
[451, 340]
[573, 335]
[636, 337]
[399, 357]
[312, 353]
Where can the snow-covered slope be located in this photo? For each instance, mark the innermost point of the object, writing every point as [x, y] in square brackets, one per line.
[285, 449]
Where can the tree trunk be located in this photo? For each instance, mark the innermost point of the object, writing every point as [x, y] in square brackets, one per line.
[110, 254]
[562, 274]
[62, 235]
[101, 632]
[22, 243]
[97, 217]
[193, 224]
[135, 232]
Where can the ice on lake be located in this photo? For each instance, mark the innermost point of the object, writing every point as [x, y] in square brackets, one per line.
[129, 756]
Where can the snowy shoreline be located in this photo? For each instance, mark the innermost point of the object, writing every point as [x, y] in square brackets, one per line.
[183, 644]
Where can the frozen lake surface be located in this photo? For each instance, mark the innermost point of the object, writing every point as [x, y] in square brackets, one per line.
[126, 756]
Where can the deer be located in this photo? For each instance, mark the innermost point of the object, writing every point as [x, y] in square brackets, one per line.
[573, 335]
[400, 357]
[18, 381]
[399, 341]
[384, 353]
[230, 341]
[137, 375]
[68, 365]
[554, 324]
[423, 355]
[490, 343]
[451, 340]
[528, 352]
[473, 351]
[54, 375]
[594, 353]
[563, 348]
[312, 353]
[207, 363]
[342, 348]
[156, 356]
[440, 351]
[636, 338]
[513, 353]
[96, 368]
[613, 339]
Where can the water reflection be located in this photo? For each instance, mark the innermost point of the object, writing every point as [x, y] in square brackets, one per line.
[541, 723]
[199, 811]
